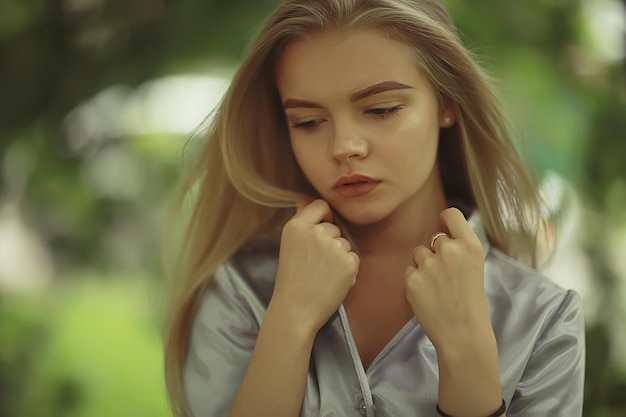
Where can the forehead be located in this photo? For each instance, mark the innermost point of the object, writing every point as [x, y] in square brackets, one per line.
[331, 63]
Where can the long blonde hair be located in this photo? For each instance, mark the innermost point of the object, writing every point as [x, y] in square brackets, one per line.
[245, 180]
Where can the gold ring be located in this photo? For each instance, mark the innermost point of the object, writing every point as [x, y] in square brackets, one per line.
[434, 239]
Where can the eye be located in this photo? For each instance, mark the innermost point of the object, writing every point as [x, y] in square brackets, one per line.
[383, 112]
[309, 125]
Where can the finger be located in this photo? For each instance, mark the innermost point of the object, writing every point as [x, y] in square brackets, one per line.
[452, 219]
[301, 202]
[316, 212]
[329, 229]
[420, 253]
[437, 239]
[356, 260]
[345, 245]
[408, 271]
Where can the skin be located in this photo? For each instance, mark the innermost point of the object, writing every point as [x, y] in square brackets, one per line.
[390, 136]
[356, 103]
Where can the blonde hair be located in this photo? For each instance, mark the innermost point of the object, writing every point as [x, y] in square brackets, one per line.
[245, 180]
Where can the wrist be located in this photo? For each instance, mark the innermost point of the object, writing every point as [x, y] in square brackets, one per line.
[498, 413]
[469, 377]
[290, 320]
[457, 350]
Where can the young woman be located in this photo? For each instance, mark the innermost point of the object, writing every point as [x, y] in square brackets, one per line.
[402, 285]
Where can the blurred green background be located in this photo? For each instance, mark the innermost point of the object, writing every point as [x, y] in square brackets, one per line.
[98, 98]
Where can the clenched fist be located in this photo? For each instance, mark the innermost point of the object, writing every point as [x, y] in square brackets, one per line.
[316, 266]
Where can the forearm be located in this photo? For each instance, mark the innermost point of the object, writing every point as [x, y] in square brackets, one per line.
[275, 380]
[469, 379]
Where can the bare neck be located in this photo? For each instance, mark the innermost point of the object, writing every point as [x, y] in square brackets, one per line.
[412, 224]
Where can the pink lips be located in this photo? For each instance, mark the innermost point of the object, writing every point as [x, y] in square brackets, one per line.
[355, 186]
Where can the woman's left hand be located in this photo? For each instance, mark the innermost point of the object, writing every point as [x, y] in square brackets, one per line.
[445, 288]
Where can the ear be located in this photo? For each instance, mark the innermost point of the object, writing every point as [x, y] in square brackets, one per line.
[447, 117]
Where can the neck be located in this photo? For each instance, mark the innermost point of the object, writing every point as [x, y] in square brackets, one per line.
[410, 225]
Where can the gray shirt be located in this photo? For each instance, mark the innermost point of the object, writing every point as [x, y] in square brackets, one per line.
[538, 326]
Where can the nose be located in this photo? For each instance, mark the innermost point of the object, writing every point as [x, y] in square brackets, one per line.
[348, 143]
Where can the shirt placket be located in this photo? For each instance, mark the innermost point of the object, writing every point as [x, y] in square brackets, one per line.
[363, 401]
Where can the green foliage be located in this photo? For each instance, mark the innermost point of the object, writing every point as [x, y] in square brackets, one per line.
[91, 350]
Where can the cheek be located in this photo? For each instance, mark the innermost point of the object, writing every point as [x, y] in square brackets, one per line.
[308, 159]
[298, 153]
[425, 134]
[414, 147]
[413, 137]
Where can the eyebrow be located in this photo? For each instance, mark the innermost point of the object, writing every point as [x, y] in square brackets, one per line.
[293, 103]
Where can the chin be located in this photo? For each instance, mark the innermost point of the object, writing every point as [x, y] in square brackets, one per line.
[361, 216]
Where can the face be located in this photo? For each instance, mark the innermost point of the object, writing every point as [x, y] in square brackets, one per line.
[363, 121]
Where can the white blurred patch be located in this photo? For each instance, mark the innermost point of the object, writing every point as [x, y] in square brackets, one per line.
[175, 105]
[570, 267]
[606, 24]
[26, 264]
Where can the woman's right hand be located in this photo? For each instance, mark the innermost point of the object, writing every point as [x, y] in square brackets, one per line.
[316, 267]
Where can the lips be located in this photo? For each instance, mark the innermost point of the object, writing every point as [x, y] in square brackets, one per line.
[355, 185]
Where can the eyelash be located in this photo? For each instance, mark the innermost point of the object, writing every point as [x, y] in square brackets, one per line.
[381, 113]
[308, 126]
[384, 112]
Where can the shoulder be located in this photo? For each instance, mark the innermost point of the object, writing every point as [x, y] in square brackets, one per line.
[528, 309]
[540, 331]
[226, 327]
[249, 274]
[509, 282]
[530, 313]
